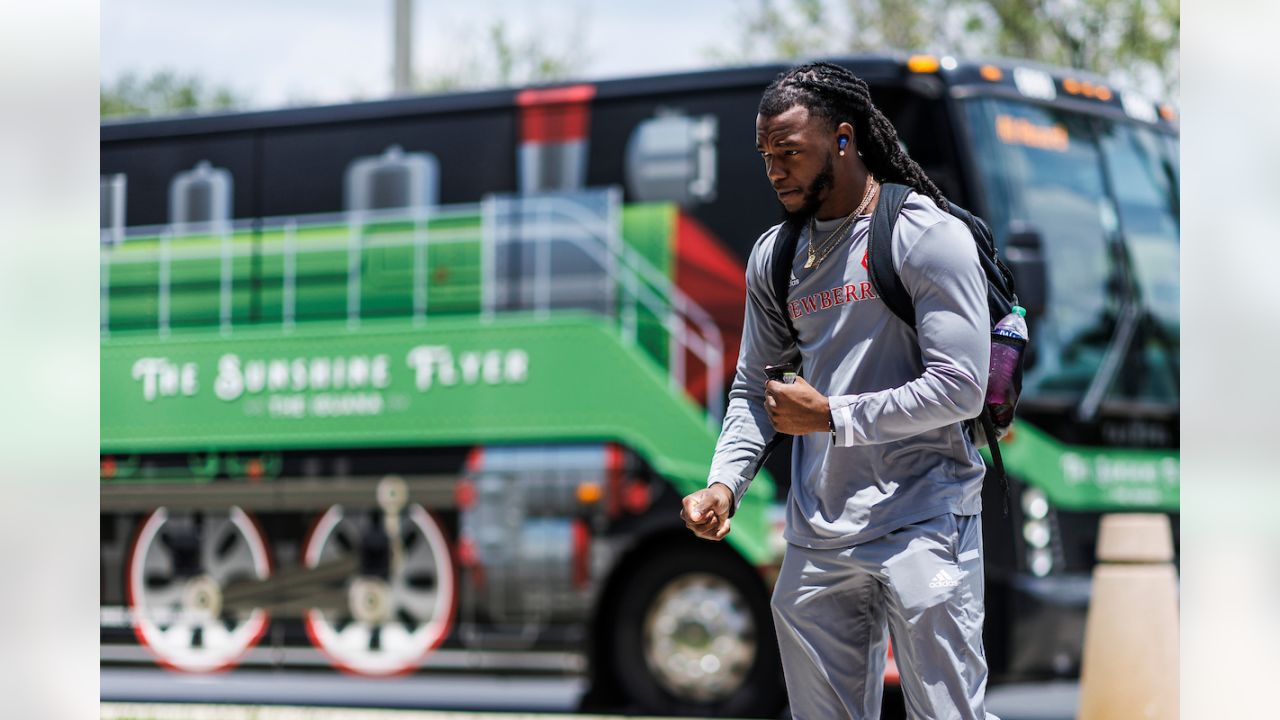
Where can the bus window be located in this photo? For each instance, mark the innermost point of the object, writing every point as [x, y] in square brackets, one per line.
[1103, 196]
[1145, 184]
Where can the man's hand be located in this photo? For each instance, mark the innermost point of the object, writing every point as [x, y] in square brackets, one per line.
[796, 408]
[706, 512]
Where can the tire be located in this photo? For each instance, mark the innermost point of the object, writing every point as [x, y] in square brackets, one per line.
[692, 634]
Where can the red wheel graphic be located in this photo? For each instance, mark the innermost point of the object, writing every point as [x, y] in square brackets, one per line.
[389, 625]
[178, 565]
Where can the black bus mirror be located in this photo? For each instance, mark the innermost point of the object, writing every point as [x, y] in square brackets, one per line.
[1024, 255]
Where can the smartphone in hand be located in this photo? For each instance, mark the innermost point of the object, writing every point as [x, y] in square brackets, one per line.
[782, 372]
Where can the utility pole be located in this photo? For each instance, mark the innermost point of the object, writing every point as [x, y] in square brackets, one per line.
[402, 53]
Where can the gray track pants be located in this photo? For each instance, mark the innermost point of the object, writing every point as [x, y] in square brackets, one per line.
[834, 610]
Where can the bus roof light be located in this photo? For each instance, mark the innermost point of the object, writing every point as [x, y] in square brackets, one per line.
[991, 72]
[1138, 107]
[1033, 83]
[922, 63]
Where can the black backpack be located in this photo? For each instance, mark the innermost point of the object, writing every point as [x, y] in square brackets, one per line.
[884, 278]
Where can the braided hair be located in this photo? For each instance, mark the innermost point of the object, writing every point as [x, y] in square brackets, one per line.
[838, 95]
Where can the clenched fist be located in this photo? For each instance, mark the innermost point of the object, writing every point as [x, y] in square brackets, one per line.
[796, 408]
[706, 512]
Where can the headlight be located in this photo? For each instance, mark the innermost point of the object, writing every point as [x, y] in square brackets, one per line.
[1036, 533]
[1041, 562]
[1034, 503]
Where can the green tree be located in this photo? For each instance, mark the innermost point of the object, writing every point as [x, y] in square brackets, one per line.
[791, 29]
[907, 25]
[1132, 41]
[162, 93]
[772, 29]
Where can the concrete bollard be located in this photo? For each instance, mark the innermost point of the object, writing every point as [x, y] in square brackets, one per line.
[1130, 665]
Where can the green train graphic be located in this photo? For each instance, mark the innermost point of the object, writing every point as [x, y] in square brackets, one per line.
[416, 385]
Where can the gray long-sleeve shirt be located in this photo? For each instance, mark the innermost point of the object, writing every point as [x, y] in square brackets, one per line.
[899, 453]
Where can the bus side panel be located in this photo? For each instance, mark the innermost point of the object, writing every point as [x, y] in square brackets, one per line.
[303, 167]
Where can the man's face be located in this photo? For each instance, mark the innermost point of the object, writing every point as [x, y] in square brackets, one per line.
[797, 148]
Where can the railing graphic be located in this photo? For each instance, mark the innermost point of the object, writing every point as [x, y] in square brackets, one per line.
[535, 254]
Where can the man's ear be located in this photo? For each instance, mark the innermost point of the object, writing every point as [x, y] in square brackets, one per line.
[844, 138]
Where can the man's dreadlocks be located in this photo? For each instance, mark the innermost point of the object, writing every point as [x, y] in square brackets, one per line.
[840, 96]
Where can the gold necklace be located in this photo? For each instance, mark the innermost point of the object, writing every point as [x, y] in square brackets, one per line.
[834, 238]
[831, 241]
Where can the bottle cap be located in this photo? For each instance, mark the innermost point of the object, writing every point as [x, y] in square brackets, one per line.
[1022, 312]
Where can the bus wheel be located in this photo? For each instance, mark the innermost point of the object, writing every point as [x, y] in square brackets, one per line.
[178, 565]
[693, 635]
[388, 624]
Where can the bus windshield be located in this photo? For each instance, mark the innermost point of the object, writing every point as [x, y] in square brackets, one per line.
[1103, 196]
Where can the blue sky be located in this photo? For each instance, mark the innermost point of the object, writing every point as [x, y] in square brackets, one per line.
[274, 51]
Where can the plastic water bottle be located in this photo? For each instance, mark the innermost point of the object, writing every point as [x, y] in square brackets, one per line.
[1008, 338]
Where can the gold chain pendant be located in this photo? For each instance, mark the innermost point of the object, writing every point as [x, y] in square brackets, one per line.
[833, 239]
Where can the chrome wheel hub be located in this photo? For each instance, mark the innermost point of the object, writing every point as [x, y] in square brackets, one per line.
[699, 637]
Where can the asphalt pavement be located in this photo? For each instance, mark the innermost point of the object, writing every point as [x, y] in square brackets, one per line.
[479, 692]
[317, 695]
[152, 711]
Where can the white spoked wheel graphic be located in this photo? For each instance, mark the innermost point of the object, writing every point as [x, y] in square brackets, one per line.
[178, 566]
[388, 625]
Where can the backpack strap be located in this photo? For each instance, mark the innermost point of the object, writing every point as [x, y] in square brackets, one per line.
[884, 278]
[1000, 293]
[993, 445]
[888, 285]
[784, 254]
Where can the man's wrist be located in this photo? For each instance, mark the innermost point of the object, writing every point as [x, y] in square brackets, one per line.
[730, 495]
[841, 421]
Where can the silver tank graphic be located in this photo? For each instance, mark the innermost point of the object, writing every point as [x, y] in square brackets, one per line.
[393, 180]
[200, 198]
[672, 157]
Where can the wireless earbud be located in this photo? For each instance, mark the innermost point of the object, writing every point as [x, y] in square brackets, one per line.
[843, 141]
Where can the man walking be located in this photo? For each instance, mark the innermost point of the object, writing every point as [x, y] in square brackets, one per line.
[883, 526]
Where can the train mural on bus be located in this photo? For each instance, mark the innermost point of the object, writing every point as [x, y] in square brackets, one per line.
[420, 381]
